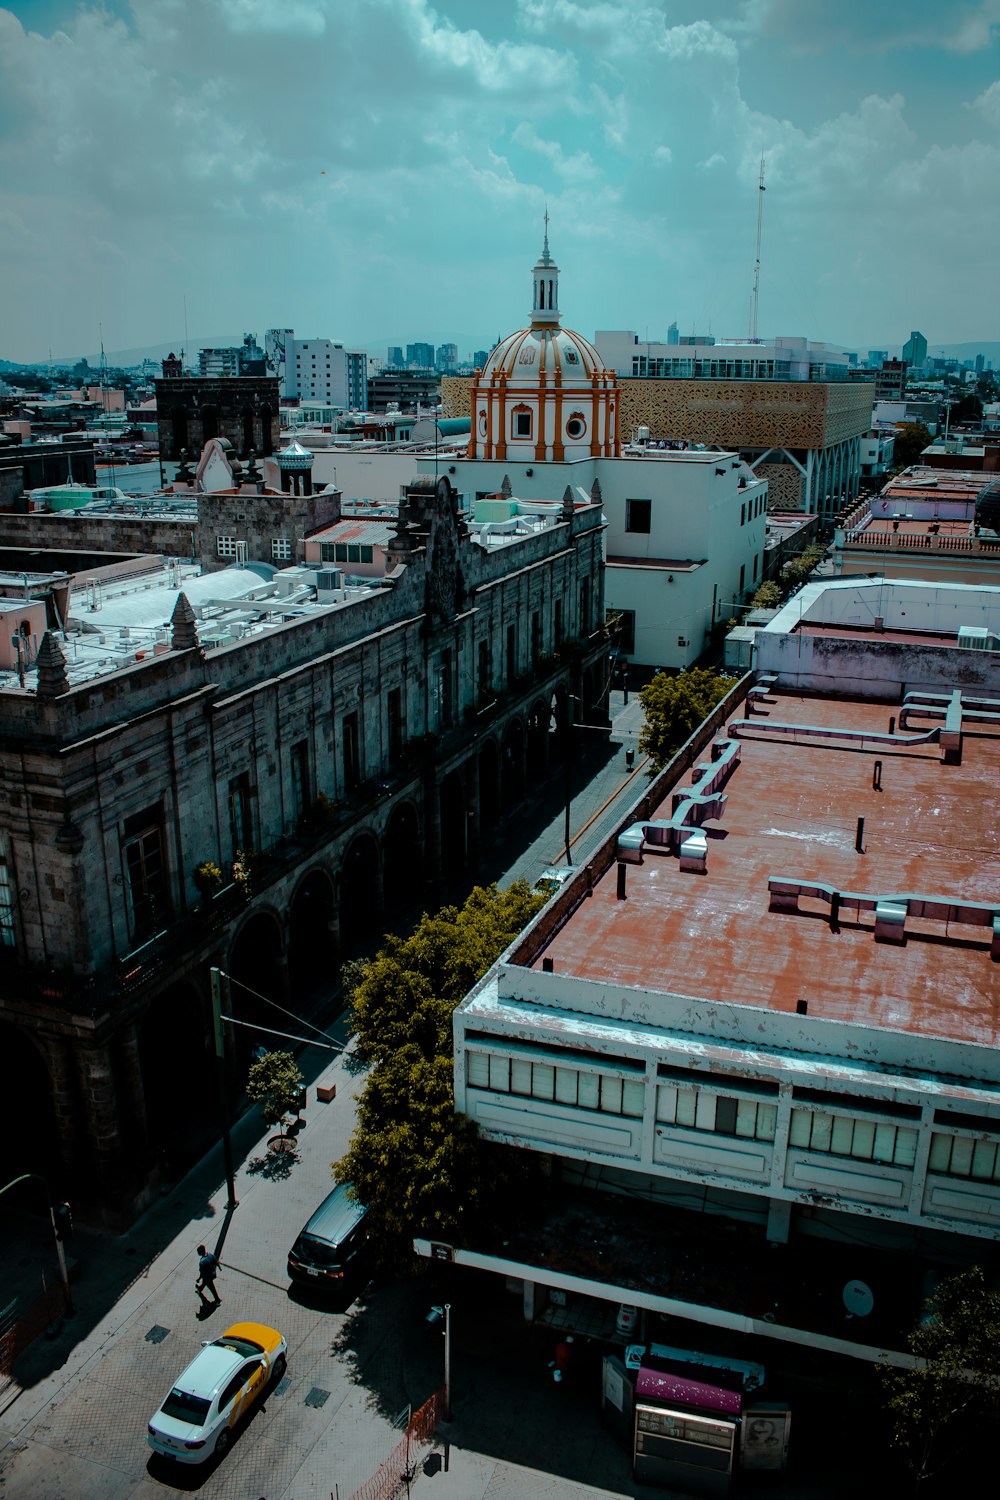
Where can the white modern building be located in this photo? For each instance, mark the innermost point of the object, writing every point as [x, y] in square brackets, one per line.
[685, 526]
[786, 358]
[763, 1020]
[317, 369]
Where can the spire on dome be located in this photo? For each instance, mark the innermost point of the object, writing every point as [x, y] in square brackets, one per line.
[545, 302]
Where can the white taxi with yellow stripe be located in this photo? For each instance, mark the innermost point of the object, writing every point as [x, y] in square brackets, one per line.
[219, 1386]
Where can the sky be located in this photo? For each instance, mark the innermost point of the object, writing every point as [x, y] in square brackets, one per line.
[376, 171]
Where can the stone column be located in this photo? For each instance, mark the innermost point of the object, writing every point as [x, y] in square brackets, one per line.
[100, 1117]
[136, 1121]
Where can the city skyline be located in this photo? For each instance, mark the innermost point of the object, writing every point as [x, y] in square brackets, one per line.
[369, 171]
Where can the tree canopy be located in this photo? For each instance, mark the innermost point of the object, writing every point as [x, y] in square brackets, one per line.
[421, 1169]
[910, 441]
[768, 596]
[675, 706]
[274, 1082]
[933, 1407]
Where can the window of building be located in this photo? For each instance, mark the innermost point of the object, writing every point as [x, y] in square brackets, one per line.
[300, 780]
[536, 636]
[625, 629]
[609, 1093]
[638, 515]
[585, 606]
[702, 1109]
[225, 546]
[281, 549]
[743, 514]
[557, 623]
[485, 671]
[522, 424]
[575, 427]
[444, 691]
[394, 722]
[240, 818]
[8, 935]
[964, 1156]
[352, 760]
[743, 577]
[145, 873]
[847, 1135]
[511, 654]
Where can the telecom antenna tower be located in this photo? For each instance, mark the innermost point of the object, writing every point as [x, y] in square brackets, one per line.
[756, 264]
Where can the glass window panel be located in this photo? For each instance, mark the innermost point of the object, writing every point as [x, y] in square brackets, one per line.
[520, 1076]
[686, 1100]
[566, 1085]
[725, 1115]
[961, 1156]
[611, 1094]
[589, 1091]
[746, 1118]
[906, 1147]
[479, 1070]
[940, 1154]
[801, 1127]
[984, 1155]
[340, 551]
[500, 1073]
[885, 1143]
[633, 1098]
[767, 1120]
[666, 1103]
[543, 1081]
[864, 1139]
[822, 1132]
[842, 1135]
[366, 554]
[704, 1110]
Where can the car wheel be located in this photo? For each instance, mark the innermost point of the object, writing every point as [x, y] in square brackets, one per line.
[279, 1368]
[222, 1441]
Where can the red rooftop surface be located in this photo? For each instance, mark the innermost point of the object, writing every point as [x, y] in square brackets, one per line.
[792, 812]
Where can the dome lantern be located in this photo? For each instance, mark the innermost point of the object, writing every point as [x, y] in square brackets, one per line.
[545, 301]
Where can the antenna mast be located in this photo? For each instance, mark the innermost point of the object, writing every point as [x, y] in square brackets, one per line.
[756, 264]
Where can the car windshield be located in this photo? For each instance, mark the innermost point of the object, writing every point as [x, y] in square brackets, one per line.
[246, 1347]
[186, 1408]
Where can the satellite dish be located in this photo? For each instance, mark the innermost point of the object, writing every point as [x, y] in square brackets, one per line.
[858, 1299]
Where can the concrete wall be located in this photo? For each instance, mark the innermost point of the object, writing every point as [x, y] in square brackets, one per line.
[76, 532]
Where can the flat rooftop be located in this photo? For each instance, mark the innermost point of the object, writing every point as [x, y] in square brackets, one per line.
[792, 812]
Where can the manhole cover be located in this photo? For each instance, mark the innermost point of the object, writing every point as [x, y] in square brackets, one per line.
[316, 1397]
[156, 1334]
[282, 1386]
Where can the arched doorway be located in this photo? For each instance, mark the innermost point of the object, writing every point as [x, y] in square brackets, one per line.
[266, 444]
[489, 787]
[178, 431]
[512, 765]
[33, 1140]
[256, 977]
[179, 1085]
[361, 904]
[312, 958]
[247, 424]
[454, 849]
[403, 856]
[538, 740]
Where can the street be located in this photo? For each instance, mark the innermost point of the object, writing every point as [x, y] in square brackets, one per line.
[73, 1421]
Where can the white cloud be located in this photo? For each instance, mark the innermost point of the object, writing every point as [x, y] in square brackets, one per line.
[577, 168]
[988, 105]
[663, 156]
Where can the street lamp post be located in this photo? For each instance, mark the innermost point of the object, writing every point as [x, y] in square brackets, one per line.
[441, 1313]
[60, 1252]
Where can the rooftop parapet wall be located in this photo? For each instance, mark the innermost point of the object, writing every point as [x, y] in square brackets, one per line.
[45, 532]
[866, 668]
[659, 1014]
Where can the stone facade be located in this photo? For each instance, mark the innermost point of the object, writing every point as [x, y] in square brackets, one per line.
[331, 770]
[73, 531]
[191, 411]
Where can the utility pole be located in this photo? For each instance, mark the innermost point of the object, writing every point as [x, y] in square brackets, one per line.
[220, 989]
[756, 264]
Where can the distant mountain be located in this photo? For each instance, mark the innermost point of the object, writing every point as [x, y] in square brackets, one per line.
[126, 357]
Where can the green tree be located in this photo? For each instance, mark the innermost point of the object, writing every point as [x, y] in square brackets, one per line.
[910, 441]
[968, 409]
[933, 1407]
[768, 596]
[675, 706]
[798, 568]
[274, 1082]
[420, 1168]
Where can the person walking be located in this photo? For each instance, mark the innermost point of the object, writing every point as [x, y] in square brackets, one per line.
[208, 1265]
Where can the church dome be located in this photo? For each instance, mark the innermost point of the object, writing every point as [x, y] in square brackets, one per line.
[544, 394]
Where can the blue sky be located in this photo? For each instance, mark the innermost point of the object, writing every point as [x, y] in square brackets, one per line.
[377, 170]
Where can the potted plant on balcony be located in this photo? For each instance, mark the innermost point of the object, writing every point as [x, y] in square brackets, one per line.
[243, 872]
[207, 879]
[275, 1083]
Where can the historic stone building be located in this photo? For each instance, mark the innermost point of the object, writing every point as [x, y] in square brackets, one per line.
[190, 411]
[333, 764]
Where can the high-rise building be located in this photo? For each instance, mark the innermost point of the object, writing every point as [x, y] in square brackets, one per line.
[479, 358]
[446, 357]
[980, 361]
[395, 359]
[317, 369]
[420, 356]
[915, 350]
[877, 358]
[673, 337]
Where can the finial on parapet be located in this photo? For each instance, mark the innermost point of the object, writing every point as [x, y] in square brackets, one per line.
[53, 679]
[183, 629]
